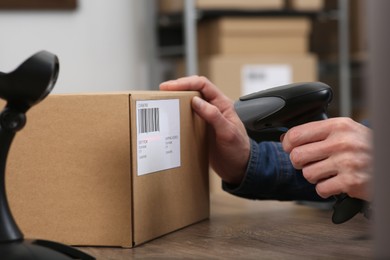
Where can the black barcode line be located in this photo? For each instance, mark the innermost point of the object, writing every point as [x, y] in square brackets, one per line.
[148, 120]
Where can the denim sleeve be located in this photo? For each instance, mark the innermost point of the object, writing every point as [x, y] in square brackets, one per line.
[270, 175]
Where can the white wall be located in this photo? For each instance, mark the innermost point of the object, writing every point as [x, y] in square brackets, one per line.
[101, 45]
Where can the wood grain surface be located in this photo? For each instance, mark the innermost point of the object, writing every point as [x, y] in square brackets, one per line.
[244, 229]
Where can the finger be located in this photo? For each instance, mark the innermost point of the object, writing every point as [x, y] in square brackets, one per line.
[195, 83]
[310, 153]
[210, 114]
[319, 171]
[329, 187]
[306, 133]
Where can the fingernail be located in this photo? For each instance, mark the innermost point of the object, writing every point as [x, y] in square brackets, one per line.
[167, 83]
[197, 103]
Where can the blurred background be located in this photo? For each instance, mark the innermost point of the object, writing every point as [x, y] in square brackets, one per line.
[242, 46]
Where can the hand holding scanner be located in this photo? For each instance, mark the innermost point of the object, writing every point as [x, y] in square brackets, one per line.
[268, 114]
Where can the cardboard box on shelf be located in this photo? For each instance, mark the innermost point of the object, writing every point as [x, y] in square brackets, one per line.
[237, 75]
[168, 6]
[254, 35]
[114, 169]
[306, 5]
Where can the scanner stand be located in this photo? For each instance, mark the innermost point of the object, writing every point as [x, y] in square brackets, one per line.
[40, 71]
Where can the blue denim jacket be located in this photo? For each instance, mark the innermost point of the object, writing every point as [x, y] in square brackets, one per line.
[270, 175]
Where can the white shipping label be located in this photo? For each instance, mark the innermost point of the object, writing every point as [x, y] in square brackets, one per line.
[158, 135]
[258, 77]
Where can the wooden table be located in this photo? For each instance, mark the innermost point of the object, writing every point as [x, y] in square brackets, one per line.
[244, 229]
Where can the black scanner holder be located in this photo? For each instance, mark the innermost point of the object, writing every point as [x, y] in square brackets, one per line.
[22, 88]
[268, 114]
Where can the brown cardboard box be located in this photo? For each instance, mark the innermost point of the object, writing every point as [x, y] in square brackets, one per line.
[254, 36]
[227, 71]
[74, 172]
[306, 5]
[167, 6]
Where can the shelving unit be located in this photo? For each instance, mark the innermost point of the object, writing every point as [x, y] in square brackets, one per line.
[183, 28]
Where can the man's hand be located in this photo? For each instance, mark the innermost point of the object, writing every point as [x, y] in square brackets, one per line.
[228, 141]
[335, 154]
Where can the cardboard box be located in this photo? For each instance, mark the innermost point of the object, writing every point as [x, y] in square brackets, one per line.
[115, 169]
[235, 35]
[306, 5]
[168, 6]
[237, 75]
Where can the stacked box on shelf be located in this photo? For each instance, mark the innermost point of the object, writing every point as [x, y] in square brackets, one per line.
[305, 5]
[258, 53]
[253, 36]
[169, 6]
[237, 75]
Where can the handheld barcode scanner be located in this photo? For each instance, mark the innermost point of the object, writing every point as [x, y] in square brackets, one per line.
[22, 88]
[268, 114]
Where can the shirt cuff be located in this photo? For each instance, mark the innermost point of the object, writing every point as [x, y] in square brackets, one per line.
[247, 184]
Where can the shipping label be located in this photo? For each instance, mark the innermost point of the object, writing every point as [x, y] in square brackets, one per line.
[158, 135]
[257, 77]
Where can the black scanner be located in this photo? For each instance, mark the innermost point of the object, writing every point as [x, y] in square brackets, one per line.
[23, 88]
[269, 113]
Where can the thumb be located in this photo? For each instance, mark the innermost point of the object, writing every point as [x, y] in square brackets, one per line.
[209, 113]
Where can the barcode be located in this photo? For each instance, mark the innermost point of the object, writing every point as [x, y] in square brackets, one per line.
[148, 120]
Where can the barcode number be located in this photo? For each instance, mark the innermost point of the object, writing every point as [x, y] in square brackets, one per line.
[148, 120]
